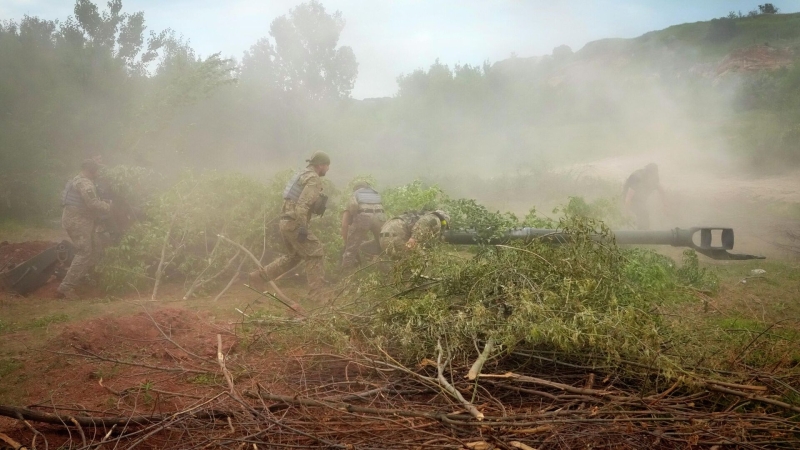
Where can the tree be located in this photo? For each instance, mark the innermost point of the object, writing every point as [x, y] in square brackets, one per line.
[767, 8]
[306, 58]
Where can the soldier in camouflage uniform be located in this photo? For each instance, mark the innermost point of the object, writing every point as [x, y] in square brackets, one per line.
[636, 192]
[362, 216]
[411, 229]
[302, 197]
[82, 209]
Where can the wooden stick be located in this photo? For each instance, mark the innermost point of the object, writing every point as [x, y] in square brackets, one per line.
[552, 384]
[225, 372]
[211, 258]
[35, 432]
[94, 422]
[713, 387]
[232, 280]
[14, 444]
[80, 430]
[161, 267]
[746, 387]
[118, 361]
[272, 284]
[450, 389]
[478, 364]
[200, 283]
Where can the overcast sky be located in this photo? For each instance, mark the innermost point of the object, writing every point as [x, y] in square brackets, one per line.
[392, 37]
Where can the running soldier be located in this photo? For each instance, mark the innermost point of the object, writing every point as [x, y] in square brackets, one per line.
[302, 198]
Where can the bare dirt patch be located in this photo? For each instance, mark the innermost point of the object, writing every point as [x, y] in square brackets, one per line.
[14, 254]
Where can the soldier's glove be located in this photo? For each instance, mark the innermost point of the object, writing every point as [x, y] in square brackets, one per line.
[302, 234]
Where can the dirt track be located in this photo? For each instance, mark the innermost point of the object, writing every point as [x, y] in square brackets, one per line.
[708, 193]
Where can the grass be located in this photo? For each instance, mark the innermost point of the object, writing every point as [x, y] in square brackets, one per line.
[16, 231]
[46, 321]
[8, 368]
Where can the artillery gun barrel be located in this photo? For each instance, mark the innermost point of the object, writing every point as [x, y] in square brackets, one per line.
[713, 242]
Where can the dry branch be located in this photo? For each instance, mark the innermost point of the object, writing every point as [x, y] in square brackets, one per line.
[478, 365]
[232, 280]
[161, 267]
[93, 422]
[449, 387]
[14, 444]
[291, 303]
[225, 372]
[713, 387]
[146, 366]
[198, 283]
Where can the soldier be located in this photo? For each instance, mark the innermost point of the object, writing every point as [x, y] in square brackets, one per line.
[82, 209]
[363, 215]
[302, 197]
[638, 188]
[411, 229]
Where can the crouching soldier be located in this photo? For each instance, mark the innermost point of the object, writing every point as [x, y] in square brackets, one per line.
[410, 230]
[82, 210]
[302, 198]
[363, 216]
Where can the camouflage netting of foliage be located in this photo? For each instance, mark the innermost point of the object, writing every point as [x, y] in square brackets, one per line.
[587, 301]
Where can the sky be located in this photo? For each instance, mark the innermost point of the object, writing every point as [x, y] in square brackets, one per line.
[394, 37]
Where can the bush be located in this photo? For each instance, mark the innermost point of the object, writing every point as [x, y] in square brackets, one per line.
[584, 299]
[182, 224]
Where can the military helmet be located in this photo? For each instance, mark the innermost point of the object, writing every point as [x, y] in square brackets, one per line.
[90, 165]
[361, 185]
[319, 159]
[444, 217]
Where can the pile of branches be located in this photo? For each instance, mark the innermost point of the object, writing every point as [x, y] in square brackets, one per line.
[370, 401]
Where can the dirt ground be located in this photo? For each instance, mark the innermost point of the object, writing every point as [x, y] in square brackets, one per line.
[13, 254]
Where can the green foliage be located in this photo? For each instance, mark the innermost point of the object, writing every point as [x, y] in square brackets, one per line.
[46, 321]
[414, 196]
[82, 87]
[767, 8]
[605, 209]
[306, 56]
[469, 215]
[534, 220]
[722, 30]
[585, 300]
[189, 216]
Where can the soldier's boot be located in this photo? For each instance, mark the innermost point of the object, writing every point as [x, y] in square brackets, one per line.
[66, 293]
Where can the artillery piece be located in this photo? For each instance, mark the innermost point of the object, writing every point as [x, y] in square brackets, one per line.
[32, 274]
[713, 242]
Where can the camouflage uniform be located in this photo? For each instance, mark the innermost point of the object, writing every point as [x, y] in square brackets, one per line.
[82, 209]
[367, 215]
[294, 215]
[396, 232]
[643, 182]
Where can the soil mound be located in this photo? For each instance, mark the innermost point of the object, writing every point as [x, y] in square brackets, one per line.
[14, 254]
[122, 335]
